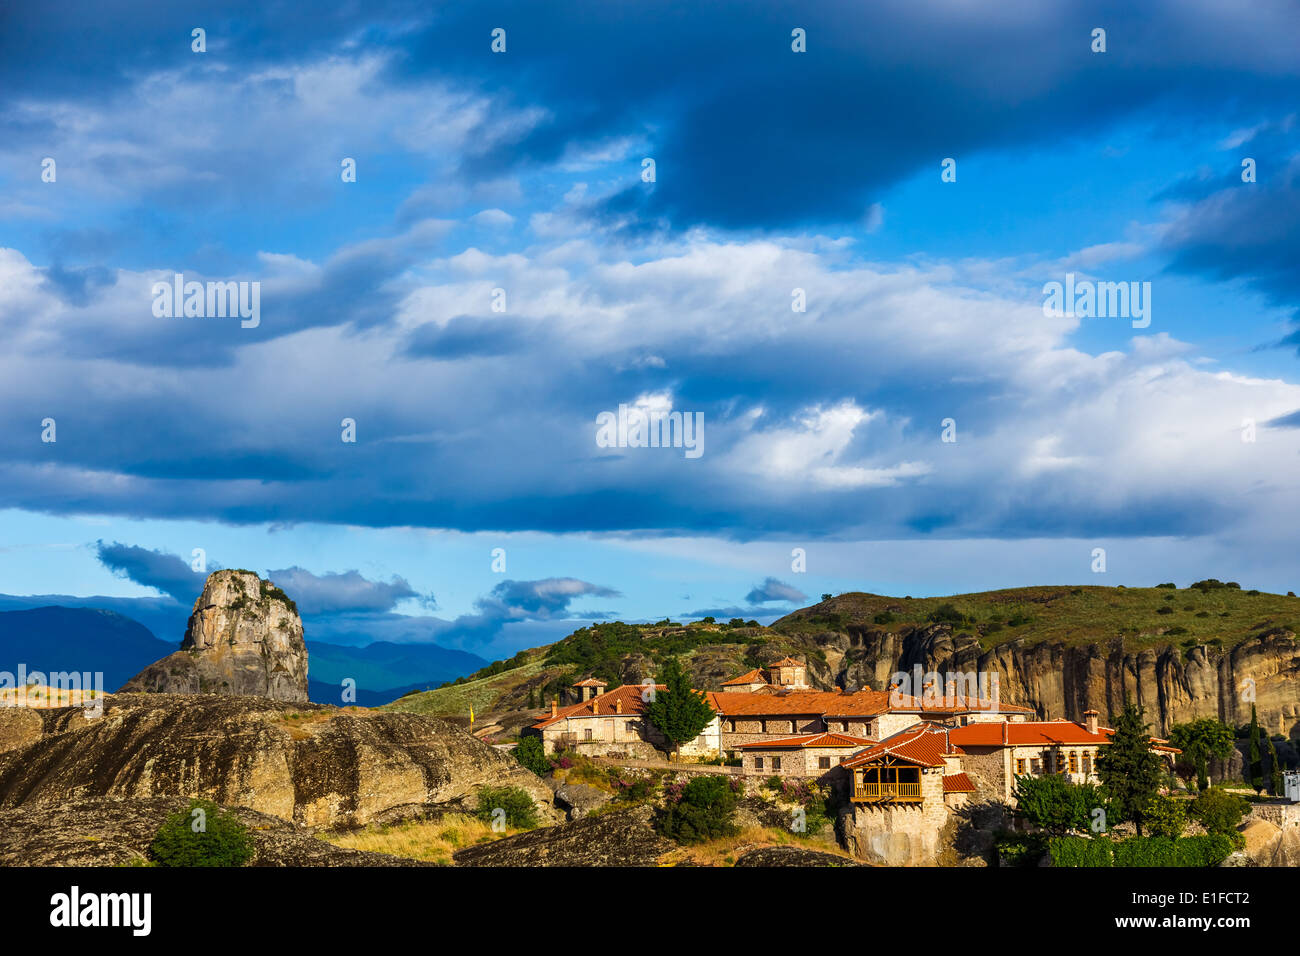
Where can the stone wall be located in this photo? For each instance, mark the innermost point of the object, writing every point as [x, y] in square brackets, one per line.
[899, 834]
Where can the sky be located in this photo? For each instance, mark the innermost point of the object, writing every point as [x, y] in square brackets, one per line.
[626, 206]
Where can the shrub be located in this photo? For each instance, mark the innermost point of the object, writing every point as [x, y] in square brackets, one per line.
[1166, 816]
[1168, 584]
[517, 804]
[532, 754]
[1162, 851]
[1020, 849]
[884, 617]
[1218, 810]
[1166, 609]
[703, 811]
[219, 840]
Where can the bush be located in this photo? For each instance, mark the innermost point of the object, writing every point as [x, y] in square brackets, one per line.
[532, 754]
[1020, 849]
[703, 811]
[884, 617]
[1218, 810]
[1165, 816]
[520, 811]
[220, 840]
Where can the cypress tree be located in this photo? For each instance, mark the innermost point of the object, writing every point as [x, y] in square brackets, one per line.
[1275, 772]
[1256, 770]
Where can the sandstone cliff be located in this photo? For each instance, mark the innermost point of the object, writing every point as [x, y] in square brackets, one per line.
[244, 637]
[311, 764]
[1174, 684]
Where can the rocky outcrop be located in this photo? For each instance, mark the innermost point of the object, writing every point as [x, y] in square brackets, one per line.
[19, 726]
[1174, 684]
[312, 764]
[791, 856]
[244, 637]
[609, 839]
[113, 832]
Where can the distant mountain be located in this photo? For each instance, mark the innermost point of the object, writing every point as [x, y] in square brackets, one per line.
[386, 666]
[78, 639]
[93, 639]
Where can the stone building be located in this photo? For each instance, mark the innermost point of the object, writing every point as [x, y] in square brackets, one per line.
[810, 756]
[902, 791]
[614, 722]
[751, 717]
[995, 754]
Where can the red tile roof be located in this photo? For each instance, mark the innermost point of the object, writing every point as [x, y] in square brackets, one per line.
[925, 744]
[957, 783]
[591, 682]
[602, 705]
[787, 662]
[1044, 733]
[753, 677]
[810, 741]
[812, 703]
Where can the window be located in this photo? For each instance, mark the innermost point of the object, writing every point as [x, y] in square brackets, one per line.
[758, 763]
[823, 763]
[776, 763]
[1035, 766]
[586, 734]
[1087, 762]
[1074, 762]
[1020, 766]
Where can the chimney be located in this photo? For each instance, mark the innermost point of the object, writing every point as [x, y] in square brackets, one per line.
[618, 706]
[1090, 716]
[555, 706]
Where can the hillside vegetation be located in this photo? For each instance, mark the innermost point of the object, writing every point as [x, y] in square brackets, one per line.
[1209, 612]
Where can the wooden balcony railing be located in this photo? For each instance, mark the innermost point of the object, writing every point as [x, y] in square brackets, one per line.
[887, 791]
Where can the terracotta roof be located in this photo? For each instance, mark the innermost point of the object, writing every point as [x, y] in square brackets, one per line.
[810, 740]
[592, 682]
[862, 703]
[1045, 733]
[811, 702]
[753, 677]
[957, 783]
[787, 662]
[602, 705]
[925, 744]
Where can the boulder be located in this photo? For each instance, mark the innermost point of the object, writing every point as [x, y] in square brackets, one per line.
[244, 637]
[579, 799]
[791, 856]
[609, 839]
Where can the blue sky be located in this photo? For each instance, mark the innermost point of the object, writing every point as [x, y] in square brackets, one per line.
[522, 171]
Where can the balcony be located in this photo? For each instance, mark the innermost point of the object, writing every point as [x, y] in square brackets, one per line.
[873, 792]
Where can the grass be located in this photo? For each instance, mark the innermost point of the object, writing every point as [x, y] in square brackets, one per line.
[454, 700]
[301, 724]
[724, 851]
[1068, 615]
[433, 840]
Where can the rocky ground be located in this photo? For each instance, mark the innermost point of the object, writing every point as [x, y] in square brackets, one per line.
[106, 831]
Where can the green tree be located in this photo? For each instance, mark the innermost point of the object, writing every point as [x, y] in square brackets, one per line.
[1274, 770]
[1129, 770]
[1054, 804]
[704, 811]
[1256, 768]
[531, 753]
[202, 834]
[679, 711]
[1201, 740]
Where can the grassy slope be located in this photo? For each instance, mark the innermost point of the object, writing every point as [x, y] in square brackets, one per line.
[1071, 615]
